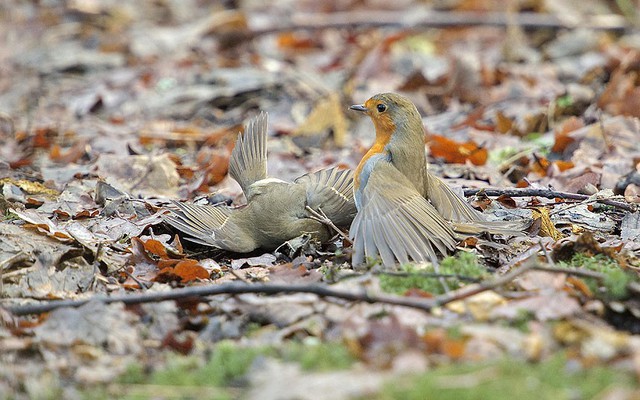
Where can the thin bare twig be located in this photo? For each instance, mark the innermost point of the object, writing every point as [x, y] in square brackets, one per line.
[547, 193]
[435, 19]
[577, 272]
[238, 276]
[240, 288]
[321, 217]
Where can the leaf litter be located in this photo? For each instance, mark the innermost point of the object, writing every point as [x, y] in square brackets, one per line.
[108, 111]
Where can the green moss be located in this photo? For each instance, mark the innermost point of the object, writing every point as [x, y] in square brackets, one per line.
[508, 379]
[422, 276]
[521, 321]
[564, 101]
[134, 374]
[222, 377]
[317, 356]
[616, 279]
[187, 377]
[228, 364]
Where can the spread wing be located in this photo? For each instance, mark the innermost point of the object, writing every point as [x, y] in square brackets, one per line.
[332, 191]
[248, 162]
[465, 218]
[396, 222]
[448, 203]
[210, 226]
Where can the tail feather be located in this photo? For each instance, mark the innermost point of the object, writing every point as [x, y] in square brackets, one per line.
[332, 191]
[199, 222]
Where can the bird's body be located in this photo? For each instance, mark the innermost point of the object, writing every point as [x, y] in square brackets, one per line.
[404, 211]
[275, 211]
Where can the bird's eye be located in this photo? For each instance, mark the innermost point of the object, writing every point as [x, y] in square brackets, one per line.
[381, 107]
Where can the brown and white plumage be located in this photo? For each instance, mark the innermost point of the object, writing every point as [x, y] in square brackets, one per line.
[276, 210]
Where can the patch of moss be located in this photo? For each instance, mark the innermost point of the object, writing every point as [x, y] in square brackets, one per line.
[318, 356]
[508, 379]
[521, 321]
[616, 279]
[228, 364]
[221, 377]
[186, 377]
[422, 276]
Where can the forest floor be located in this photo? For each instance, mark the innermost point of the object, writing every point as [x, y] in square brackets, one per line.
[110, 109]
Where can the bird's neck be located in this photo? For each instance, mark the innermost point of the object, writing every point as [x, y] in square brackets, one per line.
[408, 153]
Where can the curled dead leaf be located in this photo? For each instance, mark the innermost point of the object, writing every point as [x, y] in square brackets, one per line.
[189, 270]
[156, 247]
[457, 152]
[562, 137]
[547, 228]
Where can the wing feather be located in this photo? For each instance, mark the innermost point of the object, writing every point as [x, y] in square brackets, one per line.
[332, 191]
[248, 162]
[396, 222]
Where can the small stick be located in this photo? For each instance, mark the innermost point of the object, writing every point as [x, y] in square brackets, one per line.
[577, 272]
[321, 217]
[547, 193]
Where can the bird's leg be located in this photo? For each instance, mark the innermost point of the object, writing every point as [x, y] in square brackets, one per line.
[321, 217]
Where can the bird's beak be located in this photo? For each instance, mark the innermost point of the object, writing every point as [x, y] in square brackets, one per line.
[358, 107]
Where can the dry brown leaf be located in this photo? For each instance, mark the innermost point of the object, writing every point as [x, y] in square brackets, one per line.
[296, 41]
[155, 247]
[42, 224]
[547, 228]
[71, 155]
[326, 114]
[562, 137]
[189, 270]
[503, 123]
[457, 152]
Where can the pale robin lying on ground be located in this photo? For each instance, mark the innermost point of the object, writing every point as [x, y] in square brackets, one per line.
[276, 211]
[404, 211]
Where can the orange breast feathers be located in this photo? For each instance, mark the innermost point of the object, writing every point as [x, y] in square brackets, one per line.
[385, 127]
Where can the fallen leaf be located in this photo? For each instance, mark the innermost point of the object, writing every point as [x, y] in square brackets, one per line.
[266, 260]
[296, 41]
[547, 227]
[156, 247]
[189, 270]
[456, 152]
[562, 139]
[326, 114]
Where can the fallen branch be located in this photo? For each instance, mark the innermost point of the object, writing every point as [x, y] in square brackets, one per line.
[422, 19]
[577, 272]
[241, 288]
[547, 193]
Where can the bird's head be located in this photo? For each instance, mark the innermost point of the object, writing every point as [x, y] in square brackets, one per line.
[391, 113]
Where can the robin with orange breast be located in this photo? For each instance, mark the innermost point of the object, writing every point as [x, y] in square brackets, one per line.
[404, 211]
[276, 210]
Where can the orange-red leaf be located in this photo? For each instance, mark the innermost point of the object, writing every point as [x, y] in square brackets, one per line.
[189, 270]
[562, 138]
[457, 152]
[156, 247]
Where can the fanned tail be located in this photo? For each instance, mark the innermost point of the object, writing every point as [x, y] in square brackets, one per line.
[199, 222]
[248, 162]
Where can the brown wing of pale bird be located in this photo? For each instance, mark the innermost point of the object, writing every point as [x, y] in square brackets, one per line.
[396, 222]
[331, 191]
[275, 211]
